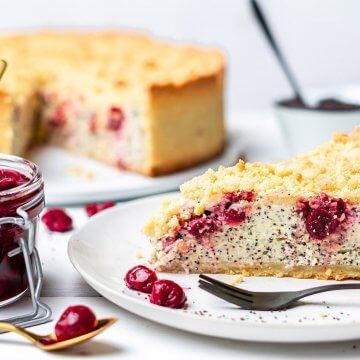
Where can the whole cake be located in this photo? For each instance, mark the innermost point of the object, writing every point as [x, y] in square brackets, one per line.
[298, 218]
[127, 100]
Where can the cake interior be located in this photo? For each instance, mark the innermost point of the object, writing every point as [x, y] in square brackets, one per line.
[244, 234]
[72, 124]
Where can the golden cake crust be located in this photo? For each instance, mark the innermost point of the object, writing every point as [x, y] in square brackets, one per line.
[57, 56]
[199, 104]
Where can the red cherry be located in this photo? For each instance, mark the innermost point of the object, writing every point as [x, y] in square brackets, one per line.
[59, 116]
[202, 226]
[93, 209]
[57, 220]
[323, 215]
[167, 293]
[234, 217]
[140, 278]
[75, 321]
[10, 179]
[320, 223]
[121, 165]
[115, 119]
[93, 125]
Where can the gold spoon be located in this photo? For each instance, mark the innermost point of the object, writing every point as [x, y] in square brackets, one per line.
[101, 325]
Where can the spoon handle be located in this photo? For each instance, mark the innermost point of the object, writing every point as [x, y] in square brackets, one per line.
[3, 68]
[259, 15]
[5, 326]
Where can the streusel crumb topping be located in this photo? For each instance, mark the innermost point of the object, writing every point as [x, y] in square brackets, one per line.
[332, 168]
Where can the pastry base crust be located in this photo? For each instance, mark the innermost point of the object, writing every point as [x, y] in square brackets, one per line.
[334, 272]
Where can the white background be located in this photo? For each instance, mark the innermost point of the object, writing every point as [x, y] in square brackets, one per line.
[320, 37]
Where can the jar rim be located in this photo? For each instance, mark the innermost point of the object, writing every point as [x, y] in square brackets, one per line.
[18, 163]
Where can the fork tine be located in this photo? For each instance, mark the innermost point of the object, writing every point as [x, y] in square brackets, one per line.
[226, 286]
[225, 291]
[220, 294]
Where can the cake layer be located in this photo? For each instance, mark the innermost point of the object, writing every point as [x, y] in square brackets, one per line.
[124, 99]
[269, 234]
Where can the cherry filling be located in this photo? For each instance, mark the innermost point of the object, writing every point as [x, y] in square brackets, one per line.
[116, 119]
[167, 293]
[203, 226]
[13, 278]
[59, 115]
[239, 196]
[93, 209]
[234, 217]
[324, 215]
[140, 278]
[121, 165]
[229, 211]
[75, 321]
[10, 179]
[93, 124]
[57, 220]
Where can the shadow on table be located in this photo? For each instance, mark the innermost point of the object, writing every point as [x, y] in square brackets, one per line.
[91, 348]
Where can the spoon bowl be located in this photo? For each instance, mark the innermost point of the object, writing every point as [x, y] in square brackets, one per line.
[49, 342]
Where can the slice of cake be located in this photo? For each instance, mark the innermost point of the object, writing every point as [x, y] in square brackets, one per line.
[127, 100]
[297, 218]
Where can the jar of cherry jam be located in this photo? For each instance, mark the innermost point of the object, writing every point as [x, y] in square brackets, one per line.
[21, 201]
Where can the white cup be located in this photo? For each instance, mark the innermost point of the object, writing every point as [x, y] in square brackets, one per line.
[304, 129]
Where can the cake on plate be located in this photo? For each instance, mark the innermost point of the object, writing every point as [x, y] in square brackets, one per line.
[127, 100]
[298, 218]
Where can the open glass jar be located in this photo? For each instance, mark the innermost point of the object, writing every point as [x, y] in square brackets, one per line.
[21, 201]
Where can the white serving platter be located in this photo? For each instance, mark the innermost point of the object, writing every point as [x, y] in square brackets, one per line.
[110, 243]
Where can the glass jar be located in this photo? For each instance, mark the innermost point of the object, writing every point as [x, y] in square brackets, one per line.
[20, 207]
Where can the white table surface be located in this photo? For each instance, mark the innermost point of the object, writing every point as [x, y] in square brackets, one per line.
[136, 338]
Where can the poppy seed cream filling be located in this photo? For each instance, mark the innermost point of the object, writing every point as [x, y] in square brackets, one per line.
[299, 218]
[271, 234]
[72, 123]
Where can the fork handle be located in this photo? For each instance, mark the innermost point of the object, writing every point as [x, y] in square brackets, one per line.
[325, 288]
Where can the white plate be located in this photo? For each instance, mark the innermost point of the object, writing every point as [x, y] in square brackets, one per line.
[72, 179]
[106, 247]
